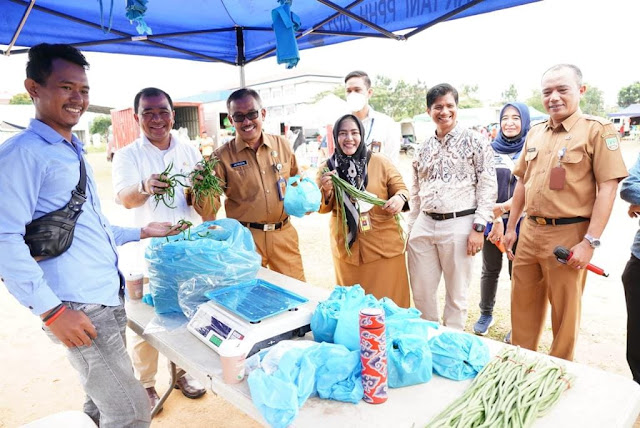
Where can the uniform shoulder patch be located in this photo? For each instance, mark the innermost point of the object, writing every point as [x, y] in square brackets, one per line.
[611, 140]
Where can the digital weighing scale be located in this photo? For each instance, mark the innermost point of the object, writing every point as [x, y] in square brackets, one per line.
[257, 313]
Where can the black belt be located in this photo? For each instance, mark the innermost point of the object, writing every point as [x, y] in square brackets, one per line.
[267, 227]
[557, 221]
[447, 216]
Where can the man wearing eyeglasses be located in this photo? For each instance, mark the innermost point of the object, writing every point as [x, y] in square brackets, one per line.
[136, 178]
[255, 167]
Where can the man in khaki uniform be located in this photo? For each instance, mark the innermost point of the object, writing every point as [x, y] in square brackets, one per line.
[255, 168]
[568, 179]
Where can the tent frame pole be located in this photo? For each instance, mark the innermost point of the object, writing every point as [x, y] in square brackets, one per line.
[16, 34]
[361, 20]
[241, 59]
[145, 39]
[443, 18]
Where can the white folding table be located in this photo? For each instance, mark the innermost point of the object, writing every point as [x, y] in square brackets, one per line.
[596, 399]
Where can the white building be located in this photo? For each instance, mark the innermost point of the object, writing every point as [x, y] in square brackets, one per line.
[287, 102]
[20, 114]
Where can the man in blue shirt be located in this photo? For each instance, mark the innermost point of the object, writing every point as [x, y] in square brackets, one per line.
[630, 192]
[79, 292]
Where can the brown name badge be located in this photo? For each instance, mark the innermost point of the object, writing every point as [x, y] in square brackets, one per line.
[557, 178]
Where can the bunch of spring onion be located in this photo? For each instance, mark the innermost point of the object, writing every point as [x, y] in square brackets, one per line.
[341, 186]
[169, 194]
[511, 391]
[210, 186]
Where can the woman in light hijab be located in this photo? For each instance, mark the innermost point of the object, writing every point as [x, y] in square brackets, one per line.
[514, 126]
[377, 251]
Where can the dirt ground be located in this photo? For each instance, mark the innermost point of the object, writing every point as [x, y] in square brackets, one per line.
[39, 381]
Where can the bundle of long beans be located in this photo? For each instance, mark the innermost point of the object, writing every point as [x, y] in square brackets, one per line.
[186, 232]
[169, 194]
[210, 186]
[341, 185]
[511, 391]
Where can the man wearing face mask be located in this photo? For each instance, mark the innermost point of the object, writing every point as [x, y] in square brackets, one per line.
[382, 133]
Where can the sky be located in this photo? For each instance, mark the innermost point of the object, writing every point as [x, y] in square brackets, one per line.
[513, 46]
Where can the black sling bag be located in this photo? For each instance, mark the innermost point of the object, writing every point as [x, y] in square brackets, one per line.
[52, 234]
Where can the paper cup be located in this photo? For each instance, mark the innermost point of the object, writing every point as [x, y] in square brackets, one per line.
[232, 357]
[134, 282]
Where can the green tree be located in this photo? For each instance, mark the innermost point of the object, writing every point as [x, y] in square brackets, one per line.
[592, 101]
[510, 95]
[535, 100]
[629, 95]
[100, 125]
[467, 97]
[338, 91]
[400, 99]
[397, 99]
[22, 98]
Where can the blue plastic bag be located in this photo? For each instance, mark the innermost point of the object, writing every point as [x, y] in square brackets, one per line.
[409, 358]
[275, 399]
[409, 361]
[302, 196]
[348, 326]
[328, 370]
[458, 356]
[223, 250]
[325, 319]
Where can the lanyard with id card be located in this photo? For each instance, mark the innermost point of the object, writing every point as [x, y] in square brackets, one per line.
[281, 184]
[365, 222]
[558, 174]
[363, 210]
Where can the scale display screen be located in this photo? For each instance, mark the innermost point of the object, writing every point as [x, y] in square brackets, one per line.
[220, 328]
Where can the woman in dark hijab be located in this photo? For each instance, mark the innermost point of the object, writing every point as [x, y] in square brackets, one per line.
[514, 126]
[377, 252]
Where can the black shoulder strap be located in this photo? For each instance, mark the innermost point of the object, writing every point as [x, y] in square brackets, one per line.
[82, 183]
[78, 195]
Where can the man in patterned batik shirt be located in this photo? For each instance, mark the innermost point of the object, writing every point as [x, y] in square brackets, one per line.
[453, 191]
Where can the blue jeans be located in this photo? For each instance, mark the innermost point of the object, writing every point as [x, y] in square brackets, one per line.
[115, 398]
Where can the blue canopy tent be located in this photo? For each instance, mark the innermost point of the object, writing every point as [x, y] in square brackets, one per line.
[235, 32]
[537, 115]
[632, 110]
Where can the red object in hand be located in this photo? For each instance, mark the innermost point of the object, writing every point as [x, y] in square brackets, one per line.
[500, 246]
[563, 254]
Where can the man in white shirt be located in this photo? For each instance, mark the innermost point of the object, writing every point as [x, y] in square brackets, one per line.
[382, 133]
[136, 171]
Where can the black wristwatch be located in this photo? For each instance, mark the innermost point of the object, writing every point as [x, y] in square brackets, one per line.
[478, 227]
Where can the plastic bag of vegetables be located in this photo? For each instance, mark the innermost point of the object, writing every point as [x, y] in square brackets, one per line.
[221, 249]
[302, 196]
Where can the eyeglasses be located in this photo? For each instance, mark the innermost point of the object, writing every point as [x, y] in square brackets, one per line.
[148, 115]
[239, 117]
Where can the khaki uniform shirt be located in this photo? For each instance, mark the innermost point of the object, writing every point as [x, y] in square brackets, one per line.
[383, 240]
[591, 156]
[251, 178]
